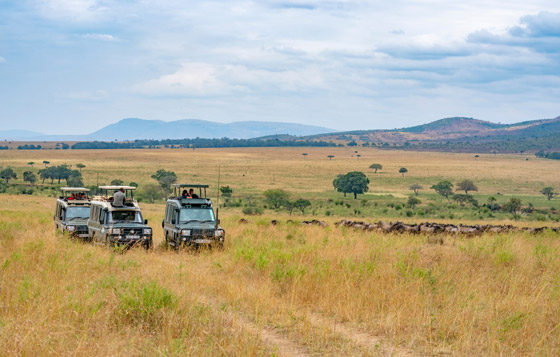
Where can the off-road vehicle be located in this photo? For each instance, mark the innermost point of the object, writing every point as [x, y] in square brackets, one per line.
[72, 211]
[123, 225]
[191, 221]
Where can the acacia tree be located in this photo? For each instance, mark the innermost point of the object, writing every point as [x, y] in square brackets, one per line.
[549, 193]
[7, 174]
[353, 182]
[413, 201]
[117, 182]
[512, 206]
[304, 155]
[276, 197]
[46, 163]
[165, 178]
[226, 192]
[416, 187]
[31, 163]
[376, 167]
[466, 185]
[301, 204]
[330, 157]
[30, 177]
[80, 167]
[444, 188]
[403, 171]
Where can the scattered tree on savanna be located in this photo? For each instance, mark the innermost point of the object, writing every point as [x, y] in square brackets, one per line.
[376, 167]
[151, 192]
[358, 156]
[466, 185]
[46, 163]
[133, 184]
[301, 204]
[165, 178]
[7, 174]
[75, 179]
[80, 167]
[305, 155]
[464, 199]
[353, 182]
[492, 203]
[413, 201]
[330, 157]
[416, 187]
[31, 163]
[117, 182]
[226, 192]
[403, 171]
[512, 206]
[30, 177]
[276, 198]
[476, 156]
[444, 188]
[289, 206]
[549, 193]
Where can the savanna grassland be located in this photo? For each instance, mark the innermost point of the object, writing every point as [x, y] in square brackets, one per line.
[287, 289]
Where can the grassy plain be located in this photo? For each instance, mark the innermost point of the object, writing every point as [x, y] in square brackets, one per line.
[285, 289]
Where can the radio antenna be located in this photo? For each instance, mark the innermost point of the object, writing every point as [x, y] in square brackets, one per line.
[219, 174]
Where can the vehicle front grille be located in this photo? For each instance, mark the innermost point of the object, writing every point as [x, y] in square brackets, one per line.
[81, 229]
[131, 231]
[203, 232]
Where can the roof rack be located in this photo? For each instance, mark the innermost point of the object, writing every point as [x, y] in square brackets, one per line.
[132, 188]
[74, 194]
[74, 189]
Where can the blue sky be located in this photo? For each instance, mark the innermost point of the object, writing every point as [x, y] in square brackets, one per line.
[74, 66]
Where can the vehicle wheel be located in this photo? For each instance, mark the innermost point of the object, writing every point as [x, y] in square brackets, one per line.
[149, 245]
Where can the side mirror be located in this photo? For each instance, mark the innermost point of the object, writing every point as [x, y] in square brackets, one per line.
[217, 221]
[173, 221]
[145, 221]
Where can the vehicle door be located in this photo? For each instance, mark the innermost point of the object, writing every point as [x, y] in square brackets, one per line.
[57, 216]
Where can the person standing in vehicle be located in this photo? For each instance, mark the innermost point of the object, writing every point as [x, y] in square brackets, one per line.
[118, 198]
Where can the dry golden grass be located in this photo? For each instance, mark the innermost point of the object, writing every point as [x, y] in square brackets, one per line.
[286, 289]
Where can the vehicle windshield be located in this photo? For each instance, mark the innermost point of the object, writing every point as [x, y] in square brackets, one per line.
[125, 216]
[77, 213]
[196, 214]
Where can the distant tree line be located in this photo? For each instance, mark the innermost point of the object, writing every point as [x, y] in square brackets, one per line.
[200, 143]
[4, 148]
[29, 147]
[548, 155]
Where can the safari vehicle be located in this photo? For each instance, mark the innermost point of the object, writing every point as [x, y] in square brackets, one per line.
[191, 221]
[72, 211]
[123, 225]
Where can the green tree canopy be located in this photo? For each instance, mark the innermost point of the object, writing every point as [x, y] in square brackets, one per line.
[465, 199]
[466, 185]
[30, 177]
[117, 182]
[376, 167]
[80, 167]
[355, 182]
[165, 178]
[413, 201]
[276, 198]
[31, 163]
[151, 192]
[444, 188]
[8, 174]
[301, 204]
[549, 192]
[403, 171]
[512, 206]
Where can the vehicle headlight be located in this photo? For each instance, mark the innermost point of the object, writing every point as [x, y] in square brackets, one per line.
[70, 228]
[186, 232]
[116, 231]
[147, 231]
[219, 232]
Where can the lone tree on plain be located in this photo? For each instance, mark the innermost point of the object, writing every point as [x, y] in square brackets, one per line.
[376, 167]
[226, 192]
[466, 185]
[46, 163]
[549, 193]
[31, 163]
[305, 155]
[165, 178]
[416, 187]
[353, 182]
[444, 188]
[301, 204]
[330, 157]
[8, 174]
[80, 167]
[117, 182]
[151, 192]
[276, 198]
[403, 171]
[512, 206]
[30, 177]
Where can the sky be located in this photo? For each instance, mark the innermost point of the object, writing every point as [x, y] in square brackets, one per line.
[75, 66]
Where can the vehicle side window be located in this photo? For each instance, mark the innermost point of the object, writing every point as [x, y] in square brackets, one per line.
[102, 218]
[169, 213]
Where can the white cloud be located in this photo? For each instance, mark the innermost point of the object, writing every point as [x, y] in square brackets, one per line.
[203, 79]
[99, 36]
[74, 10]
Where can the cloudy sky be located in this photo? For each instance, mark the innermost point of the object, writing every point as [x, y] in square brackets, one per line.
[74, 66]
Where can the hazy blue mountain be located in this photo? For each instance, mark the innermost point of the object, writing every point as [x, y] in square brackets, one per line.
[18, 134]
[132, 128]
